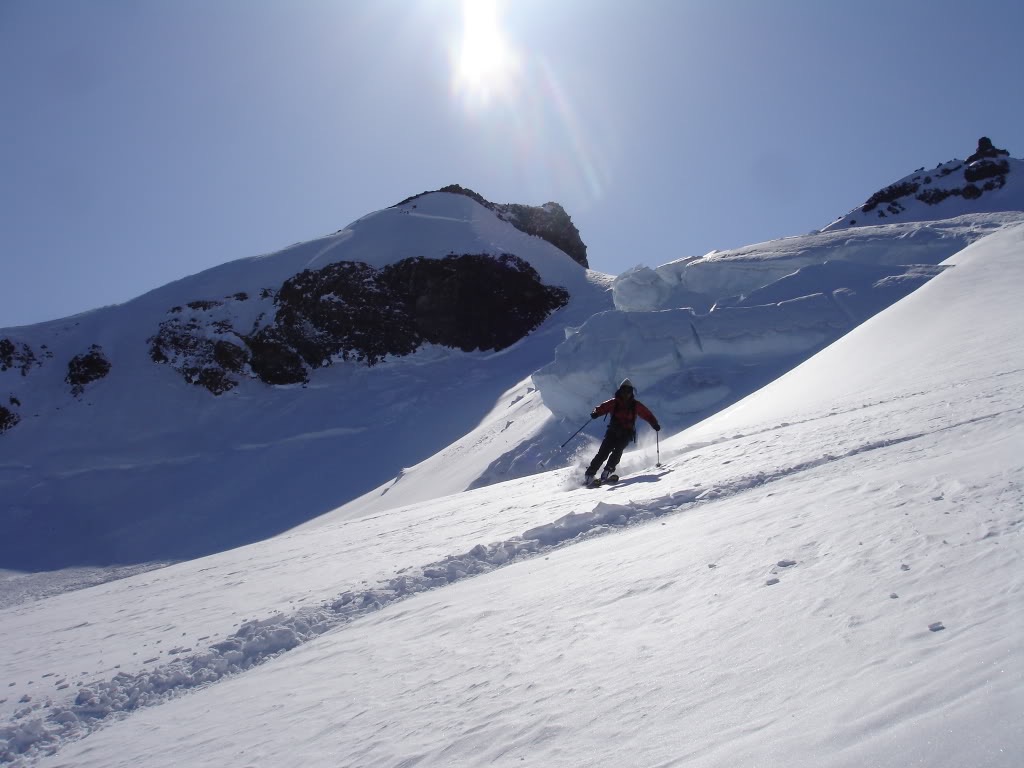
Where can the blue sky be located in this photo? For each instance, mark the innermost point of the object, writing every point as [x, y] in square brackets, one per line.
[143, 141]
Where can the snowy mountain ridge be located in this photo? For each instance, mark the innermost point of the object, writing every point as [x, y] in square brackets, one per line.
[951, 189]
[121, 420]
[180, 398]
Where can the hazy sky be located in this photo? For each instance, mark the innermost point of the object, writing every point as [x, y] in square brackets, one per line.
[145, 140]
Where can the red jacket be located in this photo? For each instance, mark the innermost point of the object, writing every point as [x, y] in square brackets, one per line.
[625, 412]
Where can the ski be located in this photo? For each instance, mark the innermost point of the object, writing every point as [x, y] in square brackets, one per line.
[613, 479]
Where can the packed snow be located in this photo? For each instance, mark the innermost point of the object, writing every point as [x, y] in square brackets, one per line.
[826, 573]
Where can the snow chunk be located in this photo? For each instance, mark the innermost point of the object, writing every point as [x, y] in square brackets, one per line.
[572, 525]
[641, 289]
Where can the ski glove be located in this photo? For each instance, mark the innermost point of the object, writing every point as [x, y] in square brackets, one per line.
[594, 414]
[657, 427]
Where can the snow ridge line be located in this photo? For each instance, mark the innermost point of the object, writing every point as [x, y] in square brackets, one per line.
[31, 734]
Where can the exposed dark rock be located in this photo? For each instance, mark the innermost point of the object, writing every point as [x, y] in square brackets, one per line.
[213, 379]
[201, 360]
[84, 369]
[971, 192]
[274, 361]
[354, 312]
[936, 196]
[13, 355]
[7, 350]
[986, 149]
[345, 309]
[204, 304]
[473, 301]
[890, 194]
[351, 311]
[986, 169]
[202, 345]
[8, 419]
[230, 357]
[549, 222]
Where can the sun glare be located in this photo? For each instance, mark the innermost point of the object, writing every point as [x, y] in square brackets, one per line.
[485, 65]
[513, 94]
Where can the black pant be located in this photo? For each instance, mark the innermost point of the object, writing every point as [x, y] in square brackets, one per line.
[614, 443]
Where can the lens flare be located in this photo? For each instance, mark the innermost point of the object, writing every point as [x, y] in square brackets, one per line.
[521, 109]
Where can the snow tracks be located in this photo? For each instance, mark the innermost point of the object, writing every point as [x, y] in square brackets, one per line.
[42, 726]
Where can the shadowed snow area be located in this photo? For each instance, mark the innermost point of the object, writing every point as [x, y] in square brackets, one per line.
[825, 574]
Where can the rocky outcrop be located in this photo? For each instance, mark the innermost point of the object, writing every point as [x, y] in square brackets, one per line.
[474, 301]
[19, 356]
[980, 170]
[200, 342]
[87, 368]
[986, 149]
[350, 311]
[8, 418]
[549, 222]
[984, 171]
[347, 310]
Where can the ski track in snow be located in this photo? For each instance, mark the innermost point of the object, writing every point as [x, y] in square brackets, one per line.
[40, 728]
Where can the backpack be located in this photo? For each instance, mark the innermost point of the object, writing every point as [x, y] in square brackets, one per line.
[631, 410]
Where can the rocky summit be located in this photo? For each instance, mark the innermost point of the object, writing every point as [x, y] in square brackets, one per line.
[351, 311]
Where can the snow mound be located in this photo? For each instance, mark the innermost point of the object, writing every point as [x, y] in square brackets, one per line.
[698, 334]
[683, 364]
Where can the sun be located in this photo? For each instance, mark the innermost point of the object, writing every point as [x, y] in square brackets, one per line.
[485, 64]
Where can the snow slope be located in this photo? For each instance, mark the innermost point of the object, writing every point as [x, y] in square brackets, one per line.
[112, 477]
[773, 305]
[828, 574]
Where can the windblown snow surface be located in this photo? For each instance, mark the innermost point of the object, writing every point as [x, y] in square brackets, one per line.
[826, 574]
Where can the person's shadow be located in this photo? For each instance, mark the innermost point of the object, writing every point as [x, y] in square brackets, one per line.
[636, 479]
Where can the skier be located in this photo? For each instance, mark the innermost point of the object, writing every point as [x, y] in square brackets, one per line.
[624, 408]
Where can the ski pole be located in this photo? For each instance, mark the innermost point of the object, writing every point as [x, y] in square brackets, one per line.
[575, 433]
[657, 443]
